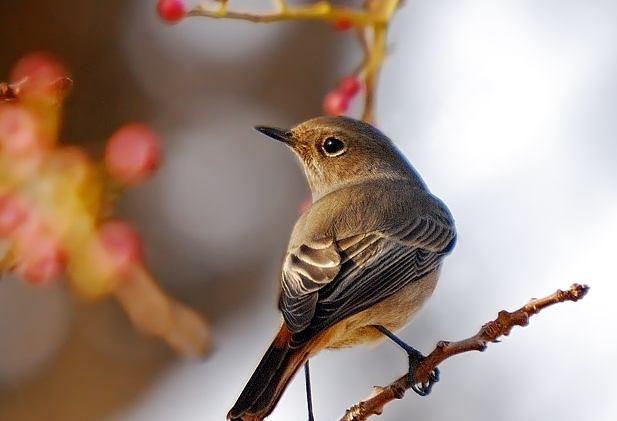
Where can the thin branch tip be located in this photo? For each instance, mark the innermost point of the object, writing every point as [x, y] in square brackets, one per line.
[489, 332]
[578, 291]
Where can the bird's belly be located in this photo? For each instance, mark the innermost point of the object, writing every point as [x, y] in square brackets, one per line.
[392, 313]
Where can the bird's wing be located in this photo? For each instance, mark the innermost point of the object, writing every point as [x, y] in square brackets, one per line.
[327, 281]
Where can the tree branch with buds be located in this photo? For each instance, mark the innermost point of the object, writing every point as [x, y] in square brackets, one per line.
[55, 206]
[490, 332]
[370, 22]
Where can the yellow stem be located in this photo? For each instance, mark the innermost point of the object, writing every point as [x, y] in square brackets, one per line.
[377, 52]
[321, 10]
[281, 5]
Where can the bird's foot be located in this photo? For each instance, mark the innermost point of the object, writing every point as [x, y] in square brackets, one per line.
[422, 389]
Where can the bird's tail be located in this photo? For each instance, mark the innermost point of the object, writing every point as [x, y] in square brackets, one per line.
[266, 385]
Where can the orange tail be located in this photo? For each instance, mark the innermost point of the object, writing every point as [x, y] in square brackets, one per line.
[266, 385]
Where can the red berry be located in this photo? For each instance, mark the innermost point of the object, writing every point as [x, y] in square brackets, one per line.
[40, 73]
[12, 214]
[342, 24]
[171, 11]
[18, 135]
[349, 85]
[335, 103]
[121, 244]
[132, 153]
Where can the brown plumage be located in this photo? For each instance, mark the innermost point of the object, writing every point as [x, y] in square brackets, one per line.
[367, 252]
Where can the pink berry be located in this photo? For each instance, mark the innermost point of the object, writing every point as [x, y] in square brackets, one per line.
[349, 85]
[342, 24]
[133, 153]
[335, 103]
[171, 11]
[121, 244]
[12, 214]
[18, 135]
[40, 73]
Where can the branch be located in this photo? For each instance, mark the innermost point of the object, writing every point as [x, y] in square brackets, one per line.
[321, 10]
[490, 332]
[372, 19]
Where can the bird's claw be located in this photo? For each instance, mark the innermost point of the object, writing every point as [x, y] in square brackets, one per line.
[420, 388]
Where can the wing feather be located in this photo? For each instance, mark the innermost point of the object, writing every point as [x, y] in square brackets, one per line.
[329, 280]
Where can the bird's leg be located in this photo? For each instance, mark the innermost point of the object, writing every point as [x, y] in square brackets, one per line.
[309, 398]
[415, 357]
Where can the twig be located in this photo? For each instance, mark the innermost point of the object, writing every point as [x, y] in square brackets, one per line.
[373, 18]
[490, 332]
[321, 10]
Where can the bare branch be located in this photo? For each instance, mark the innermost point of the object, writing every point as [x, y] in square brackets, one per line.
[490, 332]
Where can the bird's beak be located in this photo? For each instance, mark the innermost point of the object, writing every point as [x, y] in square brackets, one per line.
[278, 134]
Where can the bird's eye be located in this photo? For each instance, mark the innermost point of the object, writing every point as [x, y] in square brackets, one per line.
[333, 146]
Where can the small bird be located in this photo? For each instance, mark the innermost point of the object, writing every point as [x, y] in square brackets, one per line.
[361, 261]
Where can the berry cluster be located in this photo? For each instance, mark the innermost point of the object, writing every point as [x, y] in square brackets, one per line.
[45, 187]
[55, 204]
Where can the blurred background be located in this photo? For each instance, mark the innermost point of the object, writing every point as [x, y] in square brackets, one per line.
[506, 108]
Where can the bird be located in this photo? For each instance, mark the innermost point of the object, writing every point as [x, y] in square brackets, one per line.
[361, 260]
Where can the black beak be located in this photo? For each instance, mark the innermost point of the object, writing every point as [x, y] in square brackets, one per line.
[278, 134]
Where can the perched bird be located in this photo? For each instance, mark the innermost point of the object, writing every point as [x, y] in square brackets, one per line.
[362, 259]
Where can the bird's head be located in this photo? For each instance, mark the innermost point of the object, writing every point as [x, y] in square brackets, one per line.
[338, 151]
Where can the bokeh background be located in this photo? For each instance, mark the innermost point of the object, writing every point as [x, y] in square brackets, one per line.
[507, 109]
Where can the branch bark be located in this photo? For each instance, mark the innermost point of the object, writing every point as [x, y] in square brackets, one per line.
[490, 332]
